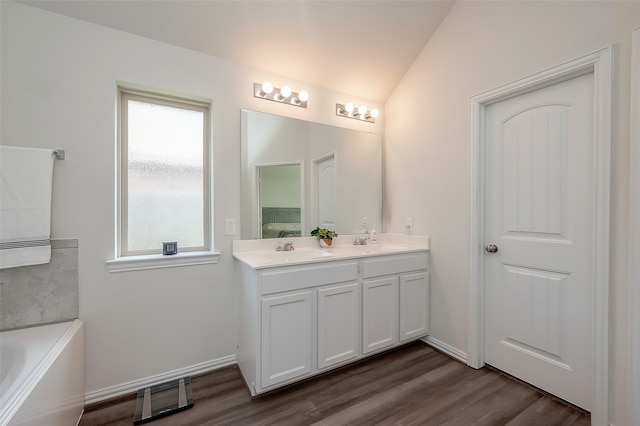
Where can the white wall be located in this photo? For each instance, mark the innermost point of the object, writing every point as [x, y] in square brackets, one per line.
[480, 46]
[58, 84]
[281, 186]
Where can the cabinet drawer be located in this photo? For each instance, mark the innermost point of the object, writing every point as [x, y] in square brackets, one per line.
[298, 277]
[390, 265]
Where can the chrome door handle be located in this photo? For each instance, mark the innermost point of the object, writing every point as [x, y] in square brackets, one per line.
[491, 248]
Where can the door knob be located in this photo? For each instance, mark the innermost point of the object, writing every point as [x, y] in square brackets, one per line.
[491, 248]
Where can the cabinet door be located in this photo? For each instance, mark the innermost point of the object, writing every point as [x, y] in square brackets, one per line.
[286, 337]
[379, 314]
[414, 305]
[338, 324]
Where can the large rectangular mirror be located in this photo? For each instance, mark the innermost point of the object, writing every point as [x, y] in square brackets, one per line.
[297, 175]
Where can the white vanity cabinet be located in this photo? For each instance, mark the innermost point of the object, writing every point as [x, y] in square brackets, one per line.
[379, 314]
[296, 321]
[414, 305]
[395, 300]
[303, 319]
[286, 337]
[338, 324]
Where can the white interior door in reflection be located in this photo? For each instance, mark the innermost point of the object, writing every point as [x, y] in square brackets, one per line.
[327, 192]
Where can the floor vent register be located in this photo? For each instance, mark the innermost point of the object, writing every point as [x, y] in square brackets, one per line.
[162, 400]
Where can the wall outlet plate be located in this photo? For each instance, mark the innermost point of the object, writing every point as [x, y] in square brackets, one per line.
[408, 224]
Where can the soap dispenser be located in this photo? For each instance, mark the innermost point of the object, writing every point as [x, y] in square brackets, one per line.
[373, 238]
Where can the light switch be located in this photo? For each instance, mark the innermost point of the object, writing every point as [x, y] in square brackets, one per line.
[229, 227]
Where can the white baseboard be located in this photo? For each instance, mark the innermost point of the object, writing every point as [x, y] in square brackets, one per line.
[447, 349]
[131, 387]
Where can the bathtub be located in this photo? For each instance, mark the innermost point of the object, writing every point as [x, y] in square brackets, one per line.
[42, 375]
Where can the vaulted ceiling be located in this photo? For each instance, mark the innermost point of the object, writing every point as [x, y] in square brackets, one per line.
[362, 47]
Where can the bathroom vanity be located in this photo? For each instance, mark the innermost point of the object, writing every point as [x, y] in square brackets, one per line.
[310, 310]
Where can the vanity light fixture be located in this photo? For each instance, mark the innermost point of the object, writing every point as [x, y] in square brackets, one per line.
[285, 92]
[373, 113]
[283, 95]
[303, 96]
[346, 109]
[264, 90]
[349, 110]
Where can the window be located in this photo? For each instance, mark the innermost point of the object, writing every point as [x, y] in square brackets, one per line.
[164, 174]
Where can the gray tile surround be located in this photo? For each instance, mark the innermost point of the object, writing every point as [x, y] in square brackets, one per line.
[41, 294]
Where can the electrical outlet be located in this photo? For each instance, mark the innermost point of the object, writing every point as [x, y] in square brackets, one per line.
[365, 220]
[408, 224]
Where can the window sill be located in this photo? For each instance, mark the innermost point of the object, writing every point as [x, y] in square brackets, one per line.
[155, 261]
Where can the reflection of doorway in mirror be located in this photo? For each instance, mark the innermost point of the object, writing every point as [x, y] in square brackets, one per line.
[280, 200]
[326, 191]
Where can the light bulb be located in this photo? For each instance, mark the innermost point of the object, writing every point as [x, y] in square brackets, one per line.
[349, 107]
[362, 110]
[303, 96]
[267, 87]
[375, 113]
[285, 92]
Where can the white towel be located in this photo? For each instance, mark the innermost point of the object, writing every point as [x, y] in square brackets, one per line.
[25, 206]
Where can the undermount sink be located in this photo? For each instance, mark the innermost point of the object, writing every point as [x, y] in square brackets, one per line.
[372, 248]
[298, 255]
[381, 248]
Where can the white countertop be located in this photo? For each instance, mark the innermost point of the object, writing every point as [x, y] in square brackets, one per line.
[259, 254]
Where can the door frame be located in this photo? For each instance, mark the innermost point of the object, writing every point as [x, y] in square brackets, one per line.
[314, 184]
[600, 64]
[634, 233]
[256, 195]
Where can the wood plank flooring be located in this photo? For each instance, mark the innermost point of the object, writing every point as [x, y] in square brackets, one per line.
[413, 385]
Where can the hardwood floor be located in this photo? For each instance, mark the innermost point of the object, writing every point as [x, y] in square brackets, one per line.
[413, 385]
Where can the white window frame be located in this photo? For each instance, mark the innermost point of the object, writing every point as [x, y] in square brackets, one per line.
[136, 260]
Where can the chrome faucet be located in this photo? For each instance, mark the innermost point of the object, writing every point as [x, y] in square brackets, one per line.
[288, 246]
[360, 240]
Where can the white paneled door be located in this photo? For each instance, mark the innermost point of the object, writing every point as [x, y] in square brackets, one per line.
[327, 193]
[539, 238]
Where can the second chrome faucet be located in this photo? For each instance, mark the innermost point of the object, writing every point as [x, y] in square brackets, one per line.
[288, 246]
[360, 240]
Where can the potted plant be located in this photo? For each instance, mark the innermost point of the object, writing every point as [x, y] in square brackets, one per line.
[324, 235]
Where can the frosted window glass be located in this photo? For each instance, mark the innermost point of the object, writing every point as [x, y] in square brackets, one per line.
[165, 176]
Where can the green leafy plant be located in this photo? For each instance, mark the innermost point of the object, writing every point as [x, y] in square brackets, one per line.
[324, 233]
